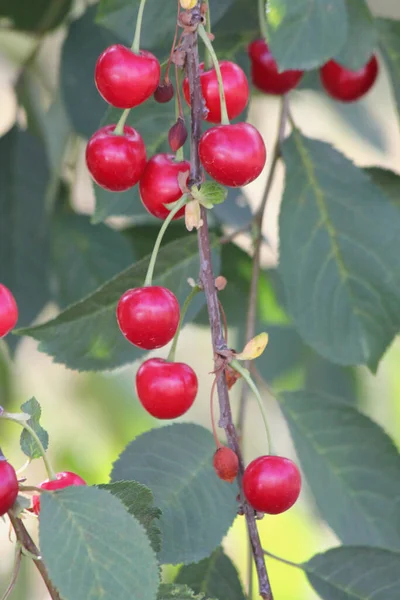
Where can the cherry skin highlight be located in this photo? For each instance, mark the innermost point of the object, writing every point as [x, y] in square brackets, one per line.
[264, 71]
[8, 486]
[345, 85]
[159, 184]
[166, 389]
[233, 155]
[8, 311]
[226, 464]
[271, 484]
[116, 162]
[64, 479]
[236, 90]
[125, 79]
[148, 316]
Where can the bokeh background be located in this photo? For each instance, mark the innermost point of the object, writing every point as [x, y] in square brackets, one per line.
[91, 417]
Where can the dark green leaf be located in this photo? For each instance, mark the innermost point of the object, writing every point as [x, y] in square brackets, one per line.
[388, 181]
[159, 20]
[172, 591]
[325, 376]
[39, 17]
[75, 339]
[24, 248]
[355, 573]
[235, 211]
[105, 549]
[306, 33]
[138, 500]
[83, 103]
[351, 465]
[215, 576]
[84, 256]
[339, 249]
[362, 36]
[120, 203]
[28, 444]
[283, 354]
[175, 462]
[389, 37]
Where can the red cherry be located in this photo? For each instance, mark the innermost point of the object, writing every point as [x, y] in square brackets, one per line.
[271, 484]
[125, 79]
[116, 162]
[8, 311]
[345, 85]
[265, 74]
[226, 464]
[233, 155]
[8, 486]
[64, 479]
[159, 184]
[236, 90]
[166, 389]
[148, 316]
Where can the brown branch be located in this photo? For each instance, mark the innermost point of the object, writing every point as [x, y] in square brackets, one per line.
[27, 542]
[207, 279]
[258, 220]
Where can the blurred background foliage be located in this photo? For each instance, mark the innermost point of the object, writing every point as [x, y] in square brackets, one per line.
[91, 417]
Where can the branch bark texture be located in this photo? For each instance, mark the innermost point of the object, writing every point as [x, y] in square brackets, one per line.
[207, 279]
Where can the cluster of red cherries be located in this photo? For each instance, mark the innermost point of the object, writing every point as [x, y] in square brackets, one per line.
[149, 317]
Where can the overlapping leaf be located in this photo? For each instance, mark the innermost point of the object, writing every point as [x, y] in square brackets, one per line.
[28, 444]
[389, 38]
[362, 36]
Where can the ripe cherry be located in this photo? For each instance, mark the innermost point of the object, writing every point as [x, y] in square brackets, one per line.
[159, 184]
[8, 311]
[236, 90]
[64, 479]
[271, 484]
[226, 464]
[148, 316]
[265, 74]
[125, 79]
[233, 155]
[116, 162]
[166, 389]
[348, 86]
[8, 486]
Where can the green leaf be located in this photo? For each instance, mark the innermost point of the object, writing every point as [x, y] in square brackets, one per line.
[39, 17]
[351, 465]
[28, 444]
[339, 249]
[355, 573]
[24, 247]
[389, 38]
[74, 337]
[121, 204]
[83, 103]
[175, 462]
[362, 36]
[138, 501]
[214, 576]
[324, 376]
[306, 33]
[105, 549]
[388, 181]
[159, 20]
[172, 591]
[84, 256]
[210, 193]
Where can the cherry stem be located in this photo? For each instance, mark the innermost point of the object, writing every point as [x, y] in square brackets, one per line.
[207, 57]
[119, 128]
[209, 46]
[15, 572]
[245, 373]
[11, 417]
[136, 39]
[178, 109]
[262, 19]
[289, 563]
[166, 74]
[224, 321]
[214, 429]
[193, 293]
[150, 271]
